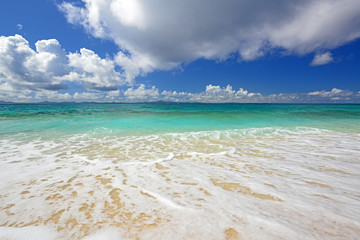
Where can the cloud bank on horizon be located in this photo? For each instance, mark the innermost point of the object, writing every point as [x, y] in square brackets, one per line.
[212, 94]
[163, 35]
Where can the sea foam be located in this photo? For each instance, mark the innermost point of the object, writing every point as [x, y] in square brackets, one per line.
[256, 183]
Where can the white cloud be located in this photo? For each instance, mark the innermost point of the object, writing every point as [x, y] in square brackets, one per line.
[9, 93]
[217, 94]
[49, 67]
[87, 96]
[137, 64]
[321, 59]
[28, 75]
[93, 71]
[335, 92]
[128, 13]
[50, 58]
[318, 24]
[142, 93]
[45, 95]
[211, 94]
[24, 68]
[168, 33]
[113, 95]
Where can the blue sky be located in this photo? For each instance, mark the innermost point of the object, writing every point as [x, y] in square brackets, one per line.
[207, 51]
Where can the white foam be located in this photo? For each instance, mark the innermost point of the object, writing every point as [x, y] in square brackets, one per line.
[29, 233]
[266, 183]
[163, 199]
[107, 234]
[144, 162]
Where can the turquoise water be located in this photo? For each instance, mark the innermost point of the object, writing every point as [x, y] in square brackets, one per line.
[161, 118]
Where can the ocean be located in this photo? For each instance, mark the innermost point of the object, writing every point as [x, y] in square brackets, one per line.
[179, 171]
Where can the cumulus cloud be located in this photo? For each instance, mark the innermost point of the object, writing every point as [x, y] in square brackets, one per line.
[86, 96]
[142, 93]
[137, 64]
[218, 94]
[334, 94]
[165, 34]
[49, 67]
[93, 71]
[45, 95]
[211, 94]
[24, 68]
[321, 59]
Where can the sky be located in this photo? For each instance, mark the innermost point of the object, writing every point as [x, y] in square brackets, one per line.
[278, 51]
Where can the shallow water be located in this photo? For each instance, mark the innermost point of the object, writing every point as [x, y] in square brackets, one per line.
[179, 171]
